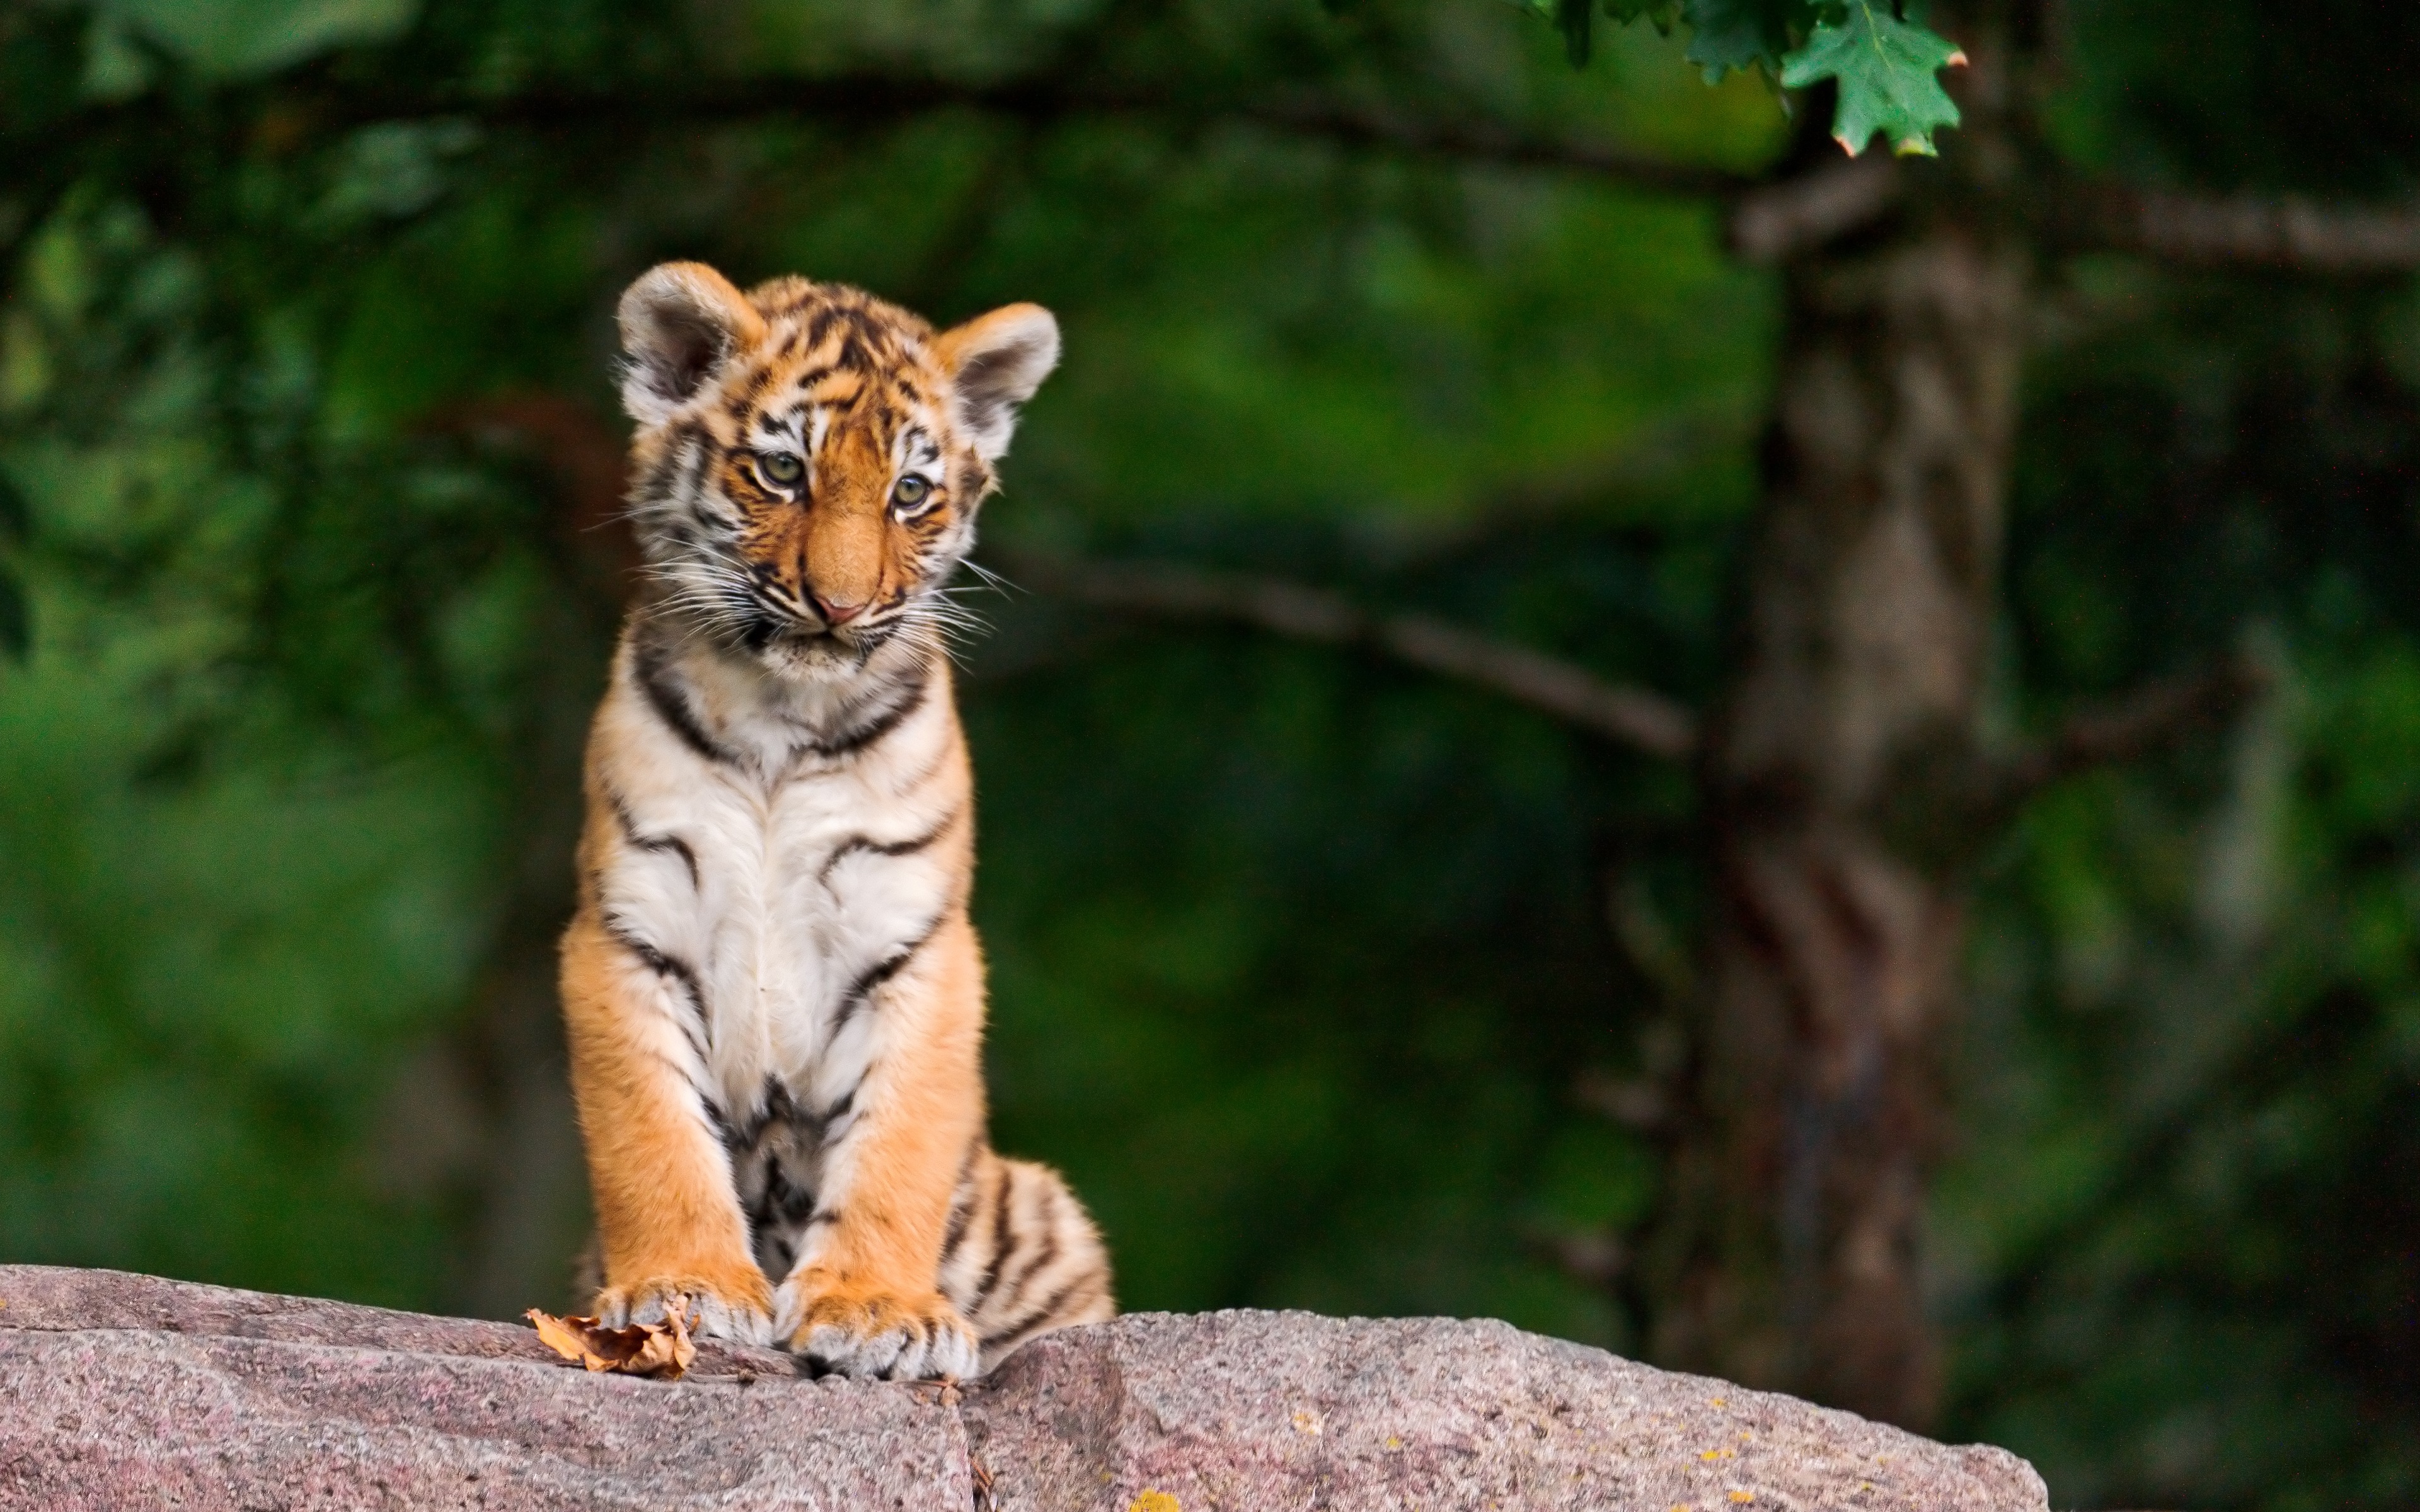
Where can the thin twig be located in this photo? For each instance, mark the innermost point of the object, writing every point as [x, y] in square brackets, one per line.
[1641, 1102]
[2135, 725]
[1594, 1257]
[1635, 717]
[1483, 141]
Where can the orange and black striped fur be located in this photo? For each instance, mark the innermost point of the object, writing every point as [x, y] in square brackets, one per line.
[775, 997]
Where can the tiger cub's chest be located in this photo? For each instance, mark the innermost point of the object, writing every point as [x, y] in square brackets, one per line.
[788, 903]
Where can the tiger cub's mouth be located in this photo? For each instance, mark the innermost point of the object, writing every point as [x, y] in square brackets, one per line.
[787, 641]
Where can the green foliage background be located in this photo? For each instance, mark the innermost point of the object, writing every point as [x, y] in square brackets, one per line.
[1299, 957]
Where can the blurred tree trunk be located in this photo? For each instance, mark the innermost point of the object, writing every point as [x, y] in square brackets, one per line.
[1841, 777]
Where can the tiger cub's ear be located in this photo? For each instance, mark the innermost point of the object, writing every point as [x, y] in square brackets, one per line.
[995, 362]
[680, 321]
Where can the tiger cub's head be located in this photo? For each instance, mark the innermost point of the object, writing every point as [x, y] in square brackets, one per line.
[809, 459]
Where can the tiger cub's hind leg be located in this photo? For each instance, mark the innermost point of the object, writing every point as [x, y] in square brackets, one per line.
[1021, 1256]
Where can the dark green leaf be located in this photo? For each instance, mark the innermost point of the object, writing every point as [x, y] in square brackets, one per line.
[1886, 68]
[1664, 13]
[16, 620]
[1576, 19]
[245, 38]
[16, 517]
[1724, 34]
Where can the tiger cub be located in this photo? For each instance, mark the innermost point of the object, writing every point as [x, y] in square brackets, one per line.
[773, 993]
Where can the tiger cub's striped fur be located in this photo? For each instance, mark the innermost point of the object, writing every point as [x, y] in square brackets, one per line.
[773, 994]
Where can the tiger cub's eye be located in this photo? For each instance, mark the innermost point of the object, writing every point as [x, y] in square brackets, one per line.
[780, 469]
[910, 491]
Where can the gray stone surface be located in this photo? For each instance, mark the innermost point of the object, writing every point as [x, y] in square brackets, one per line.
[124, 1393]
[1242, 1412]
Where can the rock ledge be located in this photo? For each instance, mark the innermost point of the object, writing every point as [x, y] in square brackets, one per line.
[122, 1392]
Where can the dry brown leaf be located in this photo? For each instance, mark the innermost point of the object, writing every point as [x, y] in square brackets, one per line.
[659, 1350]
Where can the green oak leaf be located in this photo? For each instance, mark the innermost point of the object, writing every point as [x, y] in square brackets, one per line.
[1663, 13]
[16, 516]
[1886, 68]
[16, 616]
[1724, 34]
[1576, 19]
[16, 619]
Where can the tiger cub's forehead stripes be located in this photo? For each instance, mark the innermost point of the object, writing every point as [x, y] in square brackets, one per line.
[855, 390]
[835, 356]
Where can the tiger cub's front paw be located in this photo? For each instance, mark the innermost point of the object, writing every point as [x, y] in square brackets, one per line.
[738, 1307]
[873, 1334]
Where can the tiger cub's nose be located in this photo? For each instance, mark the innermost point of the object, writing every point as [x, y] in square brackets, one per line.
[836, 613]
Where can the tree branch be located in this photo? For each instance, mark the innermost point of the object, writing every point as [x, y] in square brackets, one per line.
[1480, 140]
[1640, 1103]
[875, 97]
[2134, 726]
[1634, 716]
[1775, 221]
[295, 107]
[1771, 220]
[2240, 231]
[1593, 1258]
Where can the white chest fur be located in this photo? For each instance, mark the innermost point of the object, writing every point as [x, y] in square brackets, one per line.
[781, 886]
